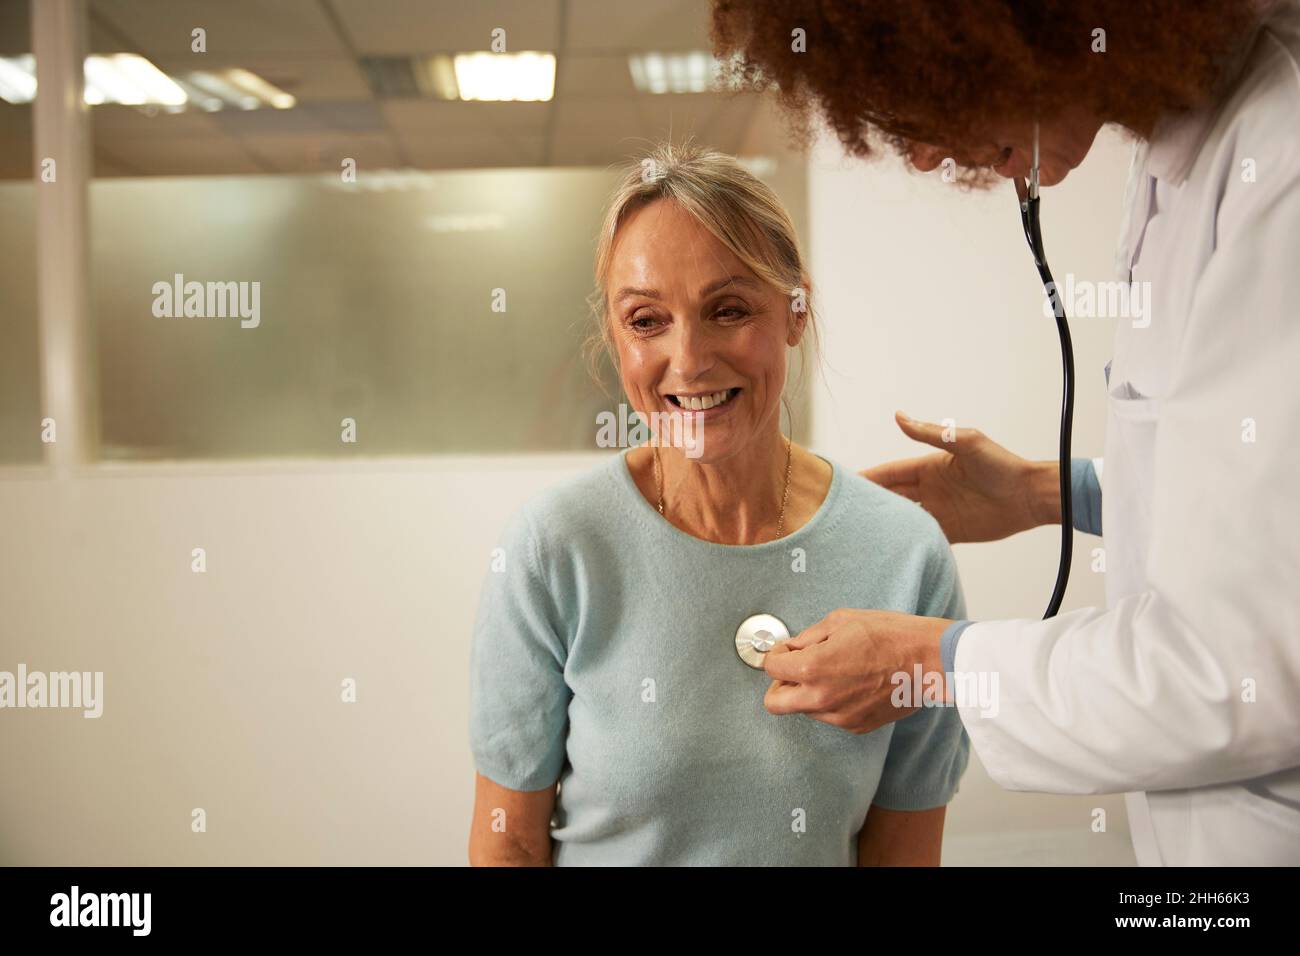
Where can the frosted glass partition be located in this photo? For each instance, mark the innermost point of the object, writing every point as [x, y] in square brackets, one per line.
[442, 312]
[20, 383]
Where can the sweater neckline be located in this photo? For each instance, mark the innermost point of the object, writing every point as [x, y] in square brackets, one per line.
[649, 515]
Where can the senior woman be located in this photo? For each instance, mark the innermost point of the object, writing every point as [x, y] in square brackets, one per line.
[612, 721]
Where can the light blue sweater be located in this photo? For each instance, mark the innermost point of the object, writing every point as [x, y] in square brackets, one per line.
[604, 659]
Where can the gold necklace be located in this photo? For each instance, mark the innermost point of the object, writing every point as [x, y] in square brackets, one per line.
[785, 492]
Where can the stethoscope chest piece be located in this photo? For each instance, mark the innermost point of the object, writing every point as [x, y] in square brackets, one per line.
[756, 636]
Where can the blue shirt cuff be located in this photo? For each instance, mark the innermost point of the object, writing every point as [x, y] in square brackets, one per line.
[948, 644]
[1085, 492]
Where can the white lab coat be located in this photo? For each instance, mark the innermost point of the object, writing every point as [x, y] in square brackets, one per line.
[1187, 686]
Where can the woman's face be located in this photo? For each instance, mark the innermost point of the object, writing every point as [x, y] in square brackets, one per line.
[1062, 145]
[694, 327]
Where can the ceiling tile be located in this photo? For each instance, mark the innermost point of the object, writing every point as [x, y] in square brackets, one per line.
[347, 116]
[715, 119]
[610, 116]
[162, 28]
[307, 78]
[428, 117]
[106, 165]
[581, 76]
[16, 32]
[578, 150]
[15, 120]
[595, 26]
[177, 156]
[15, 28]
[125, 121]
[421, 26]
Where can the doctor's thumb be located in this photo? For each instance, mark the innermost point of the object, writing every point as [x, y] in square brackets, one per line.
[777, 662]
[927, 432]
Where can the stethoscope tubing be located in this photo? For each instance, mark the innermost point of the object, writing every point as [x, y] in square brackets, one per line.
[1029, 217]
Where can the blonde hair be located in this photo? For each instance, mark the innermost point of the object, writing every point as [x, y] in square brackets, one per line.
[739, 209]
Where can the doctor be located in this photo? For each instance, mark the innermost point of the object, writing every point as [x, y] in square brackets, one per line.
[1185, 690]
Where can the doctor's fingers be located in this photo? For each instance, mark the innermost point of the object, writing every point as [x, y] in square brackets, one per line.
[795, 665]
[783, 698]
[783, 664]
[944, 437]
[901, 476]
[811, 635]
[790, 659]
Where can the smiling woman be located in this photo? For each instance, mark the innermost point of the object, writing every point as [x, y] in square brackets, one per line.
[608, 654]
[700, 293]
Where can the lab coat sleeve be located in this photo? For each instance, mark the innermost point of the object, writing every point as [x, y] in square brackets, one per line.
[1196, 680]
[928, 750]
[518, 719]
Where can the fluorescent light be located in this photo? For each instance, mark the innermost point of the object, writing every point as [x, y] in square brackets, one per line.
[18, 78]
[691, 72]
[435, 77]
[501, 77]
[443, 74]
[154, 85]
[200, 97]
[227, 94]
[130, 80]
[255, 86]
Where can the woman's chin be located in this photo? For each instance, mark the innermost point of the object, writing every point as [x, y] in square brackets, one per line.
[712, 445]
[1052, 175]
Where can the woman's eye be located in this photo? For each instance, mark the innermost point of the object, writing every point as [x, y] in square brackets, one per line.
[642, 323]
[730, 313]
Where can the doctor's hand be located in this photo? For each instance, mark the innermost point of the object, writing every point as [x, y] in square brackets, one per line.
[841, 670]
[976, 489]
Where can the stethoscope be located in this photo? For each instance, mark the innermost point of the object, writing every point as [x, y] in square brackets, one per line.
[1027, 193]
[759, 633]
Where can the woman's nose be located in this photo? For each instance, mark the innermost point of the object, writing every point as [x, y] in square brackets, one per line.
[692, 353]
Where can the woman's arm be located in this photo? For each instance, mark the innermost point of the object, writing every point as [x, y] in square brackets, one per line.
[510, 827]
[901, 837]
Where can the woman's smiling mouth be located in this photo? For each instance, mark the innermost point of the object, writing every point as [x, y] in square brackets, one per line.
[702, 401]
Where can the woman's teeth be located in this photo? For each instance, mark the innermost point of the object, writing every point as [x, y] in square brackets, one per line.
[698, 403]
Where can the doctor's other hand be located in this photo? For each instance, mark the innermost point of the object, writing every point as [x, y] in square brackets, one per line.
[846, 669]
[976, 489]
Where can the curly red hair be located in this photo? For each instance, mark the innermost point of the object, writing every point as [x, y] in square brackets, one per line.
[912, 71]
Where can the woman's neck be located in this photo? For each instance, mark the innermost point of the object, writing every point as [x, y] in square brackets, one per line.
[741, 500]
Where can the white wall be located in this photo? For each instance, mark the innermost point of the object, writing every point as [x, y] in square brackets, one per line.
[222, 689]
[930, 303]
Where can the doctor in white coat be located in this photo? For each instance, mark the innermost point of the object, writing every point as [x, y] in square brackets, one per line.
[1184, 691]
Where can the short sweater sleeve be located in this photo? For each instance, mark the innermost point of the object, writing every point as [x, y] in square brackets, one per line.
[518, 695]
[929, 750]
